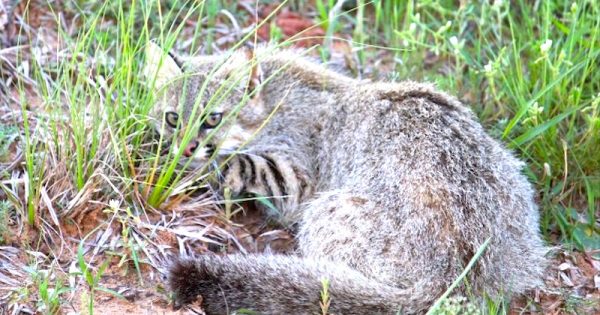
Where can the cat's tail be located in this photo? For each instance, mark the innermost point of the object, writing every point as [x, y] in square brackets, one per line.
[285, 285]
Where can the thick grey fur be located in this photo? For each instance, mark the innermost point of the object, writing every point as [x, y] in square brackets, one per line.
[394, 186]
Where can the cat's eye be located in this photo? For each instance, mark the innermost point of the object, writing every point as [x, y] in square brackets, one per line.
[212, 120]
[171, 119]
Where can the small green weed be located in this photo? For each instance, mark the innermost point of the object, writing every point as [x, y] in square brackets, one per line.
[5, 210]
[325, 298]
[49, 301]
[8, 135]
[92, 278]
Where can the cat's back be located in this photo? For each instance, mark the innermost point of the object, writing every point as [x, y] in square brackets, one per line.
[435, 181]
[395, 136]
[385, 129]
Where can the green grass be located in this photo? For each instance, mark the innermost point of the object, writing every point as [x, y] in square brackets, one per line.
[8, 135]
[49, 294]
[325, 298]
[5, 208]
[92, 278]
[529, 73]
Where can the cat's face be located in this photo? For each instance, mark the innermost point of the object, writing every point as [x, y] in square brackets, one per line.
[201, 102]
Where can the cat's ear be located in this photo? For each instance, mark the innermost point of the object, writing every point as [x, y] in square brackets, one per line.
[160, 66]
[256, 74]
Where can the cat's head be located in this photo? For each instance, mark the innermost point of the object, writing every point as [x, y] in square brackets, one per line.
[203, 103]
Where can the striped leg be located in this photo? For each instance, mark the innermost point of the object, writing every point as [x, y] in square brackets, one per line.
[270, 174]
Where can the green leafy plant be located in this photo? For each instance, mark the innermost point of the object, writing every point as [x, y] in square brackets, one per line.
[8, 134]
[325, 297]
[5, 207]
[92, 278]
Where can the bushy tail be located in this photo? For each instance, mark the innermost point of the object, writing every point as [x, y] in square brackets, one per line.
[284, 285]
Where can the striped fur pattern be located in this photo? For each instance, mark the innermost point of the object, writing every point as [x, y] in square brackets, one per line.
[270, 173]
[394, 187]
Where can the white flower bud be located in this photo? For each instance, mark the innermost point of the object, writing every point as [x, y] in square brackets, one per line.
[454, 41]
[545, 47]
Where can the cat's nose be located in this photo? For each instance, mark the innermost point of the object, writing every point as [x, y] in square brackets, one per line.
[191, 147]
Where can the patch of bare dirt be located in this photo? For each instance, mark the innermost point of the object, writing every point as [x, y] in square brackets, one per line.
[293, 25]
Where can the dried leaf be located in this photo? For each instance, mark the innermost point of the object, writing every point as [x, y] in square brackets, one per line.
[595, 263]
[566, 280]
[564, 266]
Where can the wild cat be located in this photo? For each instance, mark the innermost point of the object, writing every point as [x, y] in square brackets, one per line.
[394, 186]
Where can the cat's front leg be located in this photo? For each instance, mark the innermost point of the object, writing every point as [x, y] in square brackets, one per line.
[274, 177]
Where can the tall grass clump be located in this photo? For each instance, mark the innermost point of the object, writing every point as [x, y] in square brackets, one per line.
[90, 136]
[91, 159]
[93, 121]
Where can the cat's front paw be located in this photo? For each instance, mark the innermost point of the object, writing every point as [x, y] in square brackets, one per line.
[232, 179]
[232, 185]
